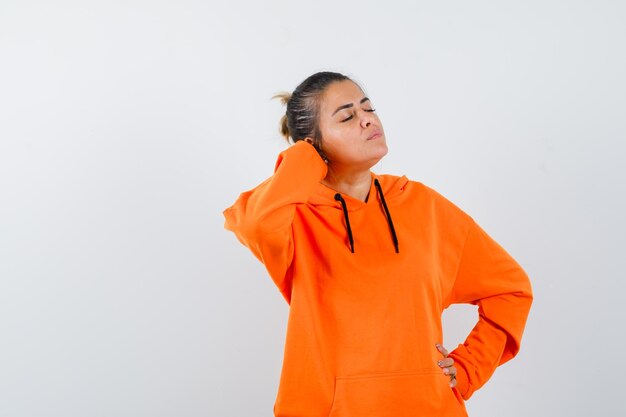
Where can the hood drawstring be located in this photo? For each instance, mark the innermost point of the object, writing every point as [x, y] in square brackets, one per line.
[345, 214]
[382, 198]
[393, 230]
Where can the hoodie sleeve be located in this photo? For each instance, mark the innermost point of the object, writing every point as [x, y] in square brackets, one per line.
[487, 276]
[261, 218]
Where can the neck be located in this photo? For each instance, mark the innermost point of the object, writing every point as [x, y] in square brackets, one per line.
[355, 183]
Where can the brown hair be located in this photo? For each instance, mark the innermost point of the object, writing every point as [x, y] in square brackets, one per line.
[301, 119]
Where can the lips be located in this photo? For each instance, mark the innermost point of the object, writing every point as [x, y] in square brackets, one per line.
[376, 133]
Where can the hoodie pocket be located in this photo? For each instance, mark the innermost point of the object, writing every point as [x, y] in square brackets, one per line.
[396, 394]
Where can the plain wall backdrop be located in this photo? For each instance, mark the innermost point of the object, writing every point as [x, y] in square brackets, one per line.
[126, 127]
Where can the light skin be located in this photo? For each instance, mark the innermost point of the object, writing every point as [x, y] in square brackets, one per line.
[447, 365]
[347, 119]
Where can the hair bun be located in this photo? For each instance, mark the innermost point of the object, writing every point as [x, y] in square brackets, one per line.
[283, 96]
[284, 121]
[284, 127]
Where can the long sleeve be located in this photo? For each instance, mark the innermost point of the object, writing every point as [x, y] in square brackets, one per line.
[489, 277]
[262, 217]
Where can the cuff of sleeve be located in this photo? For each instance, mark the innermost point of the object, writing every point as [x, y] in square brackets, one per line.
[307, 156]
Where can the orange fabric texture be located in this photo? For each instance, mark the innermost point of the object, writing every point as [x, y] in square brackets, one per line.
[362, 326]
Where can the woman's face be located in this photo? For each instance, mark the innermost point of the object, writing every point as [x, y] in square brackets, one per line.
[352, 135]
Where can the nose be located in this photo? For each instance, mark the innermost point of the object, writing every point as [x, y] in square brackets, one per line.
[366, 118]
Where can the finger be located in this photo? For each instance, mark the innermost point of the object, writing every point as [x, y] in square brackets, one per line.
[453, 383]
[451, 370]
[442, 349]
[445, 362]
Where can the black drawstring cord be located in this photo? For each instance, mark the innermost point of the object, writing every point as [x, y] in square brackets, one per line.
[382, 198]
[393, 231]
[345, 214]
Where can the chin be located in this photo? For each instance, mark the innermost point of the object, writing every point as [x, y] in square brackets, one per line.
[382, 151]
[377, 159]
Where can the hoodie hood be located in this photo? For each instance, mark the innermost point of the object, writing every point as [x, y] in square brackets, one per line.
[384, 188]
[392, 187]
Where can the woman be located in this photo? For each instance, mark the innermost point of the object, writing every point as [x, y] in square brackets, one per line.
[368, 262]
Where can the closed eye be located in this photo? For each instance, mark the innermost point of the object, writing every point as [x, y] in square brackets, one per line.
[351, 116]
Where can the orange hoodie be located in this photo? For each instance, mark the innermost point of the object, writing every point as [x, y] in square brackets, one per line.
[367, 283]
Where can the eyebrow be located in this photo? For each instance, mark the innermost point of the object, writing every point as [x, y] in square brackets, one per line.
[345, 106]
